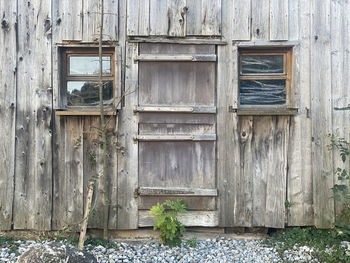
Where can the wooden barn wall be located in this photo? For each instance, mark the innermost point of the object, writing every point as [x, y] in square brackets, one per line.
[262, 161]
[8, 74]
[76, 144]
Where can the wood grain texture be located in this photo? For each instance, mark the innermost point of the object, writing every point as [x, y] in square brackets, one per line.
[340, 43]
[179, 164]
[270, 146]
[33, 181]
[138, 17]
[128, 163]
[193, 203]
[191, 218]
[260, 20]
[91, 20]
[203, 17]
[321, 108]
[7, 111]
[294, 14]
[279, 19]
[67, 20]
[68, 183]
[227, 152]
[92, 167]
[176, 14]
[242, 17]
[158, 17]
[299, 182]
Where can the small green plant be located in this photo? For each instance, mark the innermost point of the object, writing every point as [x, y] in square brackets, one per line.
[167, 222]
[192, 242]
[10, 243]
[326, 243]
[287, 204]
[340, 191]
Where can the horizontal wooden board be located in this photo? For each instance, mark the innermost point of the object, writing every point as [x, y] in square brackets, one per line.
[176, 191]
[188, 58]
[177, 164]
[177, 83]
[176, 129]
[191, 218]
[176, 137]
[171, 49]
[193, 203]
[164, 108]
[176, 118]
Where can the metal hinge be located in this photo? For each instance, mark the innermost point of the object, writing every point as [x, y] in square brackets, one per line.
[231, 109]
[136, 193]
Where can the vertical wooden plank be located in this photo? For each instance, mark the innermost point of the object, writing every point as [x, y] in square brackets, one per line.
[260, 19]
[112, 171]
[227, 152]
[68, 180]
[67, 20]
[93, 166]
[128, 163]
[7, 110]
[211, 17]
[264, 131]
[159, 23]
[91, 20]
[276, 181]
[73, 172]
[269, 153]
[138, 12]
[321, 108]
[33, 182]
[245, 172]
[299, 183]
[59, 211]
[193, 20]
[176, 15]
[204, 17]
[340, 35]
[279, 19]
[242, 17]
[293, 18]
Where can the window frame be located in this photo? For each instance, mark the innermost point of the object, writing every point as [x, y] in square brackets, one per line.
[287, 75]
[65, 54]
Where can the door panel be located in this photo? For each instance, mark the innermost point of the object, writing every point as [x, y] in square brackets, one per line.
[176, 129]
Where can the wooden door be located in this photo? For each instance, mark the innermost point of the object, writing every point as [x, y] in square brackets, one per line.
[177, 130]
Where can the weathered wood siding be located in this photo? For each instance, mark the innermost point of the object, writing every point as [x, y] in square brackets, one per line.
[8, 74]
[33, 180]
[255, 164]
[174, 18]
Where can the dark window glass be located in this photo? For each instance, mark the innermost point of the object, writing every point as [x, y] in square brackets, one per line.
[262, 64]
[80, 93]
[262, 92]
[88, 65]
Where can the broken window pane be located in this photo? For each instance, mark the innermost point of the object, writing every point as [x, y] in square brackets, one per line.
[262, 92]
[88, 65]
[80, 93]
[262, 64]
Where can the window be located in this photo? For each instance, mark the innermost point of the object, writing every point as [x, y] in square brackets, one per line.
[80, 76]
[265, 80]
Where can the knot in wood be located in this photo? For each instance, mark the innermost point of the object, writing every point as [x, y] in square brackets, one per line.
[5, 25]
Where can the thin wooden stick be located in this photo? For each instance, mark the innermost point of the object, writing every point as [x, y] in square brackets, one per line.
[86, 215]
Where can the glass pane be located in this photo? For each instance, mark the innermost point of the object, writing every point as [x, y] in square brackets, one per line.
[88, 65]
[262, 92]
[262, 64]
[80, 93]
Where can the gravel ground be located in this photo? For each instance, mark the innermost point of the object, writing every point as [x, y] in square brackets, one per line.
[218, 249]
